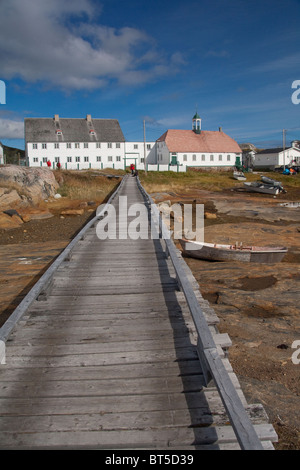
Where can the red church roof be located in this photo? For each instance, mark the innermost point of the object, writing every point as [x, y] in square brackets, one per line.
[206, 142]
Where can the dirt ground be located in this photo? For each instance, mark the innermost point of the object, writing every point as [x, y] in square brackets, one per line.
[258, 306]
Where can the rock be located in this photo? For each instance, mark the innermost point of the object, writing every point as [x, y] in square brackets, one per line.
[33, 184]
[209, 215]
[9, 222]
[57, 196]
[9, 198]
[72, 212]
[31, 213]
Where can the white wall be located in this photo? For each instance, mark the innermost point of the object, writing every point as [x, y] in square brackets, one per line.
[121, 155]
[106, 155]
[207, 159]
[1, 155]
[277, 159]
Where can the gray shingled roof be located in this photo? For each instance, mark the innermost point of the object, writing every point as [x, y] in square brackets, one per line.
[73, 130]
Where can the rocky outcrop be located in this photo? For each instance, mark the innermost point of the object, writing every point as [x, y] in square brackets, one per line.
[21, 185]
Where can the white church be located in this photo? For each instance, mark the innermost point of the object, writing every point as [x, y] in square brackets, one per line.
[83, 143]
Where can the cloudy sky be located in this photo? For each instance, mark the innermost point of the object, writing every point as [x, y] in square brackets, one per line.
[234, 61]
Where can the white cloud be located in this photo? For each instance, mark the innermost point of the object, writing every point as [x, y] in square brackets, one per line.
[10, 129]
[59, 42]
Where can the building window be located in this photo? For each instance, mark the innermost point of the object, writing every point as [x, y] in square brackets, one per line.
[211, 158]
[109, 159]
[203, 157]
[56, 159]
[118, 145]
[118, 159]
[148, 146]
[69, 159]
[45, 160]
[109, 145]
[77, 146]
[86, 159]
[86, 145]
[98, 145]
[98, 159]
[194, 158]
[77, 159]
[69, 146]
[35, 159]
[228, 158]
[220, 158]
[142, 160]
[44, 146]
[185, 158]
[34, 146]
[56, 146]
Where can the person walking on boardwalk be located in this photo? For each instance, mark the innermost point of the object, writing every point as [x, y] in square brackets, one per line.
[132, 168]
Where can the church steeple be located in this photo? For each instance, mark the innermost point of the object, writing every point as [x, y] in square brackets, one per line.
[197, 124]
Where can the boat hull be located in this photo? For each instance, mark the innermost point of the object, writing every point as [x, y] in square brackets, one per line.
[210, 252]
[262, 188]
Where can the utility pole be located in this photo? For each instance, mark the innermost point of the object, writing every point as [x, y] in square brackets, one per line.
[283, 141]
[145, 162]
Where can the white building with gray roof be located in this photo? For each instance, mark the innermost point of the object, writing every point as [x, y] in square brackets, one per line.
[82, 144]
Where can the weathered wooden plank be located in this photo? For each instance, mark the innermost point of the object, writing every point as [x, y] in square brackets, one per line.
[113, 420]
[101, 387]
[113, 358]
[127, 371]
[146, 438]
[86, 346]
[207, 399]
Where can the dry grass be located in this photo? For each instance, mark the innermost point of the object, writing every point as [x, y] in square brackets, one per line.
[170, 181]
[85, 185]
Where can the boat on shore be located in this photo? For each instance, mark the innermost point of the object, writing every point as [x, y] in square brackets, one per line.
[218, 252]
[239, 175]
[260, 187]
[271, 182]
[266, 186]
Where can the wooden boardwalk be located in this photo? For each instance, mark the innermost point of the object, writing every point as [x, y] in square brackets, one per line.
[106, 357]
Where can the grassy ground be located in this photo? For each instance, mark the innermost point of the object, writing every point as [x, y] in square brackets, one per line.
[210, 181]
[86, 185]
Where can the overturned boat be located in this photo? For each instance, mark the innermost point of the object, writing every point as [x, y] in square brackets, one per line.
[266, 185]
[218, 252]
[260, 187]
[239, 175]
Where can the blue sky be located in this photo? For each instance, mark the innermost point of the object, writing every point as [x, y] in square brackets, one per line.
[233, 61]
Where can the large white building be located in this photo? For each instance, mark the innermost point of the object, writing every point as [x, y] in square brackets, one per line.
[82, 144]
[197, 148]
[100, 143]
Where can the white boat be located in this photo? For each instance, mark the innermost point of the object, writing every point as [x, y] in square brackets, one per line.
[218, 252]
[239, 175]
[271, 182]
[260, 187]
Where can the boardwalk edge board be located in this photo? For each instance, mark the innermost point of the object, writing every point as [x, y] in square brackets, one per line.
[211, 362]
